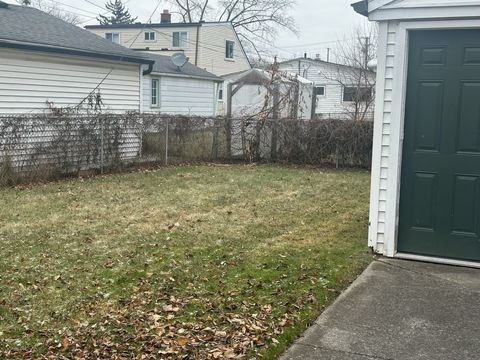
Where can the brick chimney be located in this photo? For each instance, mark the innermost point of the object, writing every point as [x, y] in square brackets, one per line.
[166, 17]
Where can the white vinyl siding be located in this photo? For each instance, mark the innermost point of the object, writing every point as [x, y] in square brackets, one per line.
[181, 96]
[135, 39]
[29, 79]
[327, 75]
[212, 50]
[212, 39]
[381, 160]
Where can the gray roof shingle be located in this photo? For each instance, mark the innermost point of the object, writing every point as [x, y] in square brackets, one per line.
[26, 27]
[164, 65]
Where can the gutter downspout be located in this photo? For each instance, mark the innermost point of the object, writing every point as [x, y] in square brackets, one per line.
[149, 70]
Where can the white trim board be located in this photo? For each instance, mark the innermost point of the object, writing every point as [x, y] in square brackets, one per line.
[459, 12]
[398, 117]
[377, 133]
[437, 260]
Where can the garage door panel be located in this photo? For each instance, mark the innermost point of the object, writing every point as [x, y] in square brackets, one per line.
[468, 133]
[465, 205]
[430, 113]
[440, 184]
[471, 56]
[425, 186]
[434, 56]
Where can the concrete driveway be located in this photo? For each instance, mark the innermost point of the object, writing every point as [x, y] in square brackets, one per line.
[399, 310]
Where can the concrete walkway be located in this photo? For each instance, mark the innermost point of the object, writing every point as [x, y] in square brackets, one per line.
[399, 310]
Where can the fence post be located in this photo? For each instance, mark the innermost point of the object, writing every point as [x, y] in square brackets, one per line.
[336, 157]
[274, 132]
[228, 121]
[102, 141]
[166, 142]
[215, 139]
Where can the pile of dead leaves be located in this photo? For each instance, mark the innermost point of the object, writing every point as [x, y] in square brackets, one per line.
[130, 330]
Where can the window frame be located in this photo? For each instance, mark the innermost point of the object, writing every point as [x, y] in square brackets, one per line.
[220, 93]
[324, 90]
[227, 53]
[149, 33]
[155, 96]
[356, 89]
[180, 39]
[112, 34]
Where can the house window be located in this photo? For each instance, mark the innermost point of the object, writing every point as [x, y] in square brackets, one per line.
[113, 37]
[229, 49]
[320, 90]
[180, 39]
[155, 92]
[357, 94]
[220, 92]
[150, 36]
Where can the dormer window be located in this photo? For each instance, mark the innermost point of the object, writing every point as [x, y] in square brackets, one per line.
[150, 36]
[179, 39]
[113, 37]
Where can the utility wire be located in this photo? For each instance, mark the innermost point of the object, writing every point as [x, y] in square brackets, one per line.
[121, 59]
[98, 6]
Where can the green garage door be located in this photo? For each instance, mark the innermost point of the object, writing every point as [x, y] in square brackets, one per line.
[440, 190]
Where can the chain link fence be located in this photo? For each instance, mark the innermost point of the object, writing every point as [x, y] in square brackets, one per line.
[45, 147]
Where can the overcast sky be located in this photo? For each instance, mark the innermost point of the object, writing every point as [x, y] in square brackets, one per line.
[321, 22]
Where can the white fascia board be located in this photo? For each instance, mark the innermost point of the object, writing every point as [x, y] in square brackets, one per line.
[185, 76]
[427, 13]
[375, 4]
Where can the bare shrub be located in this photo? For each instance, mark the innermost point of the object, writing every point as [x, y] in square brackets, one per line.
[45, 147]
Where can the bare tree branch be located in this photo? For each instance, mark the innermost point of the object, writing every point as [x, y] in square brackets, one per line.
[264, 18]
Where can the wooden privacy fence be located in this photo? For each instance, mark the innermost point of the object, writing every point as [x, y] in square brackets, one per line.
[38, 147]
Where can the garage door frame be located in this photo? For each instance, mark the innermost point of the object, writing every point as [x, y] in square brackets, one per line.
[397, 131]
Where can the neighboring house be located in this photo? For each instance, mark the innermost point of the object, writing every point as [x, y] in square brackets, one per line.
[425, 192]
[188, 90]
[45, 59]
[250, 89]
[343, 92]
[214, 46]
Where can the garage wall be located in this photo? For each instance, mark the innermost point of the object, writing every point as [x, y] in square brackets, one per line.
[28, 79]
[181, 96]
[381, 152]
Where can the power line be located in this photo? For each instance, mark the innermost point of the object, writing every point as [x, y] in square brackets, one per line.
[73, 7]
[98, 6]
[121, 59]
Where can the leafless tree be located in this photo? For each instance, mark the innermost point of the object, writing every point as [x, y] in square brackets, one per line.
[54, 10]
[354, 74]
[256, 21]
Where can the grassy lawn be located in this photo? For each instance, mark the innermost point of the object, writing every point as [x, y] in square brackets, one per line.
[182, 262]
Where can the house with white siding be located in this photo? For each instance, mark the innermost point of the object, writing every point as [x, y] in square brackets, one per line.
[44, 59]
[425, 189]
[341, 92]
[185, 90]
[212, 46]
[250, 89]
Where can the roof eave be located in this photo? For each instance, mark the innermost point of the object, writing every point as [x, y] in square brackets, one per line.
[361, 7]
[186, 76]
[68, 51]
